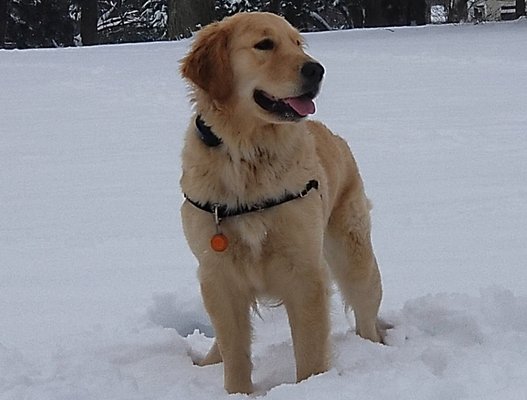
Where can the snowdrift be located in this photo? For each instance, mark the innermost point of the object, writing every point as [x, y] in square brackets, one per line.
[98, 294]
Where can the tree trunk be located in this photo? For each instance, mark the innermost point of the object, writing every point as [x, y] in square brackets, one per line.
[416, 12]
[3, 22]
[462, 10]
[186, 16]
[373, 11]
[89, 17]
[520, 8]
[457, 11]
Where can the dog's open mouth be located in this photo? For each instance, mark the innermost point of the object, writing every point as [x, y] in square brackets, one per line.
[289, 108]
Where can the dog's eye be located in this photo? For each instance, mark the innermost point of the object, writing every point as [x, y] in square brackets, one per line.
[266, 44]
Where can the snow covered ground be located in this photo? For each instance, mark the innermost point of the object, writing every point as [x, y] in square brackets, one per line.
[98, 293]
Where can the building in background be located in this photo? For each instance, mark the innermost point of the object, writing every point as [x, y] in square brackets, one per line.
[492, 10]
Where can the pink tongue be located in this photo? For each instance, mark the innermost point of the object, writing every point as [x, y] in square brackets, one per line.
[302, 105]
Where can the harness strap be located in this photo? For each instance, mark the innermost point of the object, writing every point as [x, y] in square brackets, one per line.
[222, 211]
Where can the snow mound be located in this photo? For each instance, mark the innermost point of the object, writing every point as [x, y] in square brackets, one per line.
[444, 346]
[90, 142]
[184, 315]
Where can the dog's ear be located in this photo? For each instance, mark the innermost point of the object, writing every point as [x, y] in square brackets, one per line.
[207, 64]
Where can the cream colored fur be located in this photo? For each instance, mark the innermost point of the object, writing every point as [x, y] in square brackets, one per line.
[288, 252]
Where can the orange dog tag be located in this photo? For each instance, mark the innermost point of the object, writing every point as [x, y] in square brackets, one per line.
[219, 242]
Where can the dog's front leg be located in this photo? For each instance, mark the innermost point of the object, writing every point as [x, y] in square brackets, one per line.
[308, 313]
[229, 310]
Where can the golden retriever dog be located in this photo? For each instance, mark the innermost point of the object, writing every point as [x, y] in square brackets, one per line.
[275, 205]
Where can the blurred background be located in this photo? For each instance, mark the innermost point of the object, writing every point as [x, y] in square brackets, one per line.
[63, 23]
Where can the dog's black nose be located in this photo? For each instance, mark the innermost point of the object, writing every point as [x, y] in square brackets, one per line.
[312, 71]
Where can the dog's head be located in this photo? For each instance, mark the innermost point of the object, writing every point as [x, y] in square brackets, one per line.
[255, 63]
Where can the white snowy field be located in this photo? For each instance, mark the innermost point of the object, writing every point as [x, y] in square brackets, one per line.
[98, 291]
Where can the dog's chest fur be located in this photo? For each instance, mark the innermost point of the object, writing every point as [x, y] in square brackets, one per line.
[247, 171]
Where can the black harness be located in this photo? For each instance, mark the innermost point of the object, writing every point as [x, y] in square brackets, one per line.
[221, 211]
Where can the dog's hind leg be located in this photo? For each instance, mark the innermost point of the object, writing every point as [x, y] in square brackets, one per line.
[348, 250]
[212, 357]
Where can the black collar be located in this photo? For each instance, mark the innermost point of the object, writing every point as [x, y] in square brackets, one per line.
[205, 133]
[221, 211]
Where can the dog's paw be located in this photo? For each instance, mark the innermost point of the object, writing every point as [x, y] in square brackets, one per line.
[212, 357]
[374, 332]
[382, 327]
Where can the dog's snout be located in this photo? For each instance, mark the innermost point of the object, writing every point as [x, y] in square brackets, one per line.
[312, 71]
